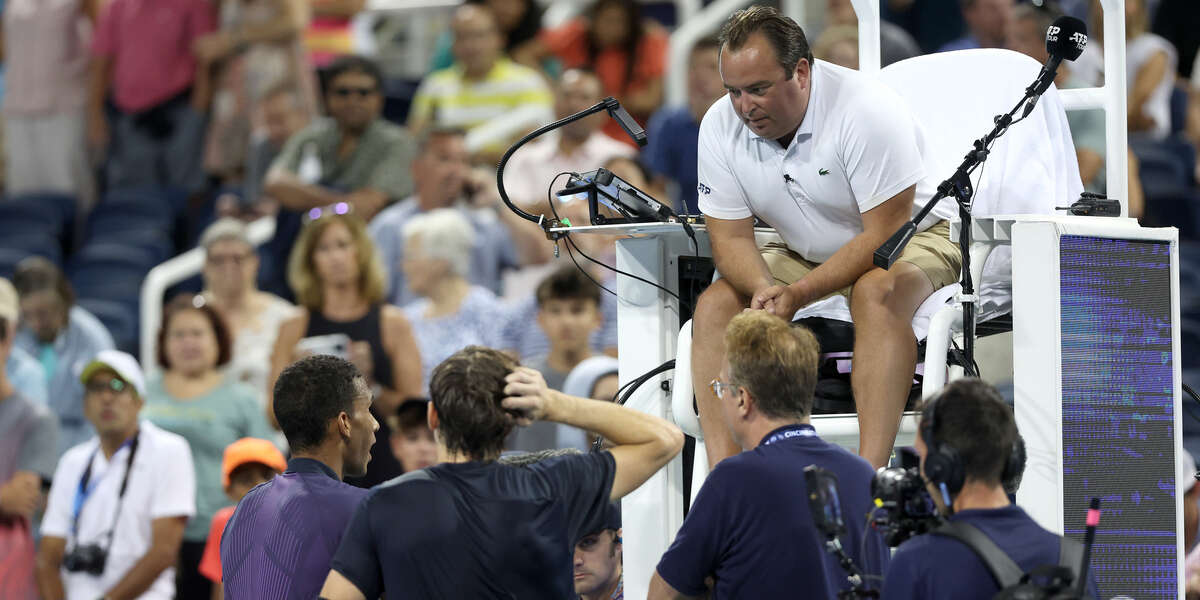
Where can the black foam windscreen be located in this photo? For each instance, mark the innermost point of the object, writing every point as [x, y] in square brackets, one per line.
[1066, 38]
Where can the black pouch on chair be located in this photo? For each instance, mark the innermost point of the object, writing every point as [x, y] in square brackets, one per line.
[833, 394]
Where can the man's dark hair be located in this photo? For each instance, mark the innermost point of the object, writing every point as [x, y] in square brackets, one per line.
[309, 394]
[567, 283]
[437, 133]
[412, 415]
[251, 473]
[352, 64]
[781, 32]
[466, 390]
[37, 274]
[971, 416]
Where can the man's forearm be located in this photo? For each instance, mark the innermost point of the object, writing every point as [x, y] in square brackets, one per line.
[49, 579]
[294, 194]
[739, 262]
[842, 269]
[139, 578]
[620, 425]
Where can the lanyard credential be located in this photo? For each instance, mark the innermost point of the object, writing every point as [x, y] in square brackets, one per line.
[84, 491]
[790, 432]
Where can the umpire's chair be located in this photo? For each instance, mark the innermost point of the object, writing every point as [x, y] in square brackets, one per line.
[1030, 170]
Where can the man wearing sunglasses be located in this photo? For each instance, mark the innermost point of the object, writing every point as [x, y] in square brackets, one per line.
[354, 157]
[750, 529]
[119, 501]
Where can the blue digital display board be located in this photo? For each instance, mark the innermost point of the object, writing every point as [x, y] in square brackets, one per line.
[1118, 409]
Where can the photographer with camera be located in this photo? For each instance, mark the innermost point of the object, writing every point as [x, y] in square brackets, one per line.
[967, 443]
[750, 528]
[119, 502]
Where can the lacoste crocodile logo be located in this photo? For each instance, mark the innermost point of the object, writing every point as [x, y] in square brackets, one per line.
[822, 171]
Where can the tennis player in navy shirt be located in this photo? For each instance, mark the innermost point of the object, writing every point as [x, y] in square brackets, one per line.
[474, 528]
[750, 529]
[280, 540]
[971, 417]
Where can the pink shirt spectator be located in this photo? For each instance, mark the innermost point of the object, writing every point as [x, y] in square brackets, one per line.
[46, 55]
[150, 45]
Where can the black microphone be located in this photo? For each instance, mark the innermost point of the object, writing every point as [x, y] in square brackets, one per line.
[631, 127]
[1065, 38]
[887, 254]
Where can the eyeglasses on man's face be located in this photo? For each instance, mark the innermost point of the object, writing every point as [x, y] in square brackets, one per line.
[99, 386]
[719, 386]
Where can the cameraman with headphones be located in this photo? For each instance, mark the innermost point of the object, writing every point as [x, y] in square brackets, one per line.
[968, 445]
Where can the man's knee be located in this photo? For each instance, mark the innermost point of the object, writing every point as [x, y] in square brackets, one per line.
[899, 291]
[717, 305]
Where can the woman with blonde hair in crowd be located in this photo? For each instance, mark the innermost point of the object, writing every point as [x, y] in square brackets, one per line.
[338, 281]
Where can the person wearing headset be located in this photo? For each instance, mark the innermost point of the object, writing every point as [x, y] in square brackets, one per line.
[969, 446]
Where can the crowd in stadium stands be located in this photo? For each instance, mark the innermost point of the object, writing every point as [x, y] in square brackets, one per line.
[135, 131]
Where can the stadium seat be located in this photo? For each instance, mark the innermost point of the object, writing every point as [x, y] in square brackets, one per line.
[113, 254]
[150, 202]
[27, 215]
[157, 242]
[33, 242]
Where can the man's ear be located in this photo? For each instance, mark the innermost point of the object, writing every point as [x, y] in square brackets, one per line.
[431, 417]
[745, 402]
[343, 424]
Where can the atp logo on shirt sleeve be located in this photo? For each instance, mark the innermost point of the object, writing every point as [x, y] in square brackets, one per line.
[703, 189]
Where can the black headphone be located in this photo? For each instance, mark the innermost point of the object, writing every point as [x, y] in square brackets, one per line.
[944, 465]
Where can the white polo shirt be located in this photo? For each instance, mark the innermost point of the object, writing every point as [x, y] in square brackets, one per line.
[857, 146]
[162, 483]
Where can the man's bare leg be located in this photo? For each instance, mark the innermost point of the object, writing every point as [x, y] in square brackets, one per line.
[885, 353]
[715, 308]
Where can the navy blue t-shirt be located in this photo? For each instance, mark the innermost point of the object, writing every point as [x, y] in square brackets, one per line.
[671, 152]
[751, 529]
[933, 567]
[477, 530]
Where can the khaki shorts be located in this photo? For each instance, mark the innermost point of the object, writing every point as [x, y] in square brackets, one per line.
[931, 251]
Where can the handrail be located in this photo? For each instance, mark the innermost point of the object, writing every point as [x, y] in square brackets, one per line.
[171, 272]
[704, 23]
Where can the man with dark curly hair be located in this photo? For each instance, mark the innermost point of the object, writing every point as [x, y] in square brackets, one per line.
[280, 540]
[474, 528]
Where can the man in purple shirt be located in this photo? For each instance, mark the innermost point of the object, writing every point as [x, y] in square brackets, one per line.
[281, 538]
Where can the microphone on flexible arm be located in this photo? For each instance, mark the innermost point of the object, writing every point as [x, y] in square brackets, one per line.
[631, 127]
[1065, 38]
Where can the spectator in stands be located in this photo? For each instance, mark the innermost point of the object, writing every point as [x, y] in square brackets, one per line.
[88, 516]
[987, 24]
[673, 131]
[1179, 22]
[329, 35]
[577, 147]
[519, 21]
[45, 128]
[194, 399]
[28, 451]
[338, 281]
[142, 58]
[323, 406]
[26, 374]
[494, 99]
[62, 337]
[594, 378]
[283, 114]
[1150, 64]
[353, 157]
[513, 544]
[1027, 35]
[932, 23]
[247, 463]
[895, 44]
[628, 53]
[450, 313]
[412, 439]
[745, 533]
[598, 573]
[443, 177]
[838, 45]
[256, 49]
[568, 312]
[253, 317]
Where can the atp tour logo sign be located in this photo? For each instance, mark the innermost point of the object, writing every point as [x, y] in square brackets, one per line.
[1080, 39]
[1052, 33]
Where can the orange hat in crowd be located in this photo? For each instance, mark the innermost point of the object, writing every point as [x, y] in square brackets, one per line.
[251, 450]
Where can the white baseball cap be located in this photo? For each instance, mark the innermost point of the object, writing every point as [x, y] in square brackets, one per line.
[125, 366]
[1187, 473]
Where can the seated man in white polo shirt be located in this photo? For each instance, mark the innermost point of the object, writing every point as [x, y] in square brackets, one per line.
[831, 158]
[119, 501]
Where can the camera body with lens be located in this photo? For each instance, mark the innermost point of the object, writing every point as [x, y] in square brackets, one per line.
[88, 558]
[904, 507]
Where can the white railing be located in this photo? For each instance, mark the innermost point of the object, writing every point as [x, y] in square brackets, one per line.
[172, 272]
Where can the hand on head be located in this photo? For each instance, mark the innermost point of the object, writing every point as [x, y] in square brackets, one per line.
[527, 397]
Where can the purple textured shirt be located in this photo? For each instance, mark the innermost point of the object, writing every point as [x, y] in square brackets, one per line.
[281, 538]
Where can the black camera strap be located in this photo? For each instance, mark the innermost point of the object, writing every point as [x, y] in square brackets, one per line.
[84, 491]
[1004, 570]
